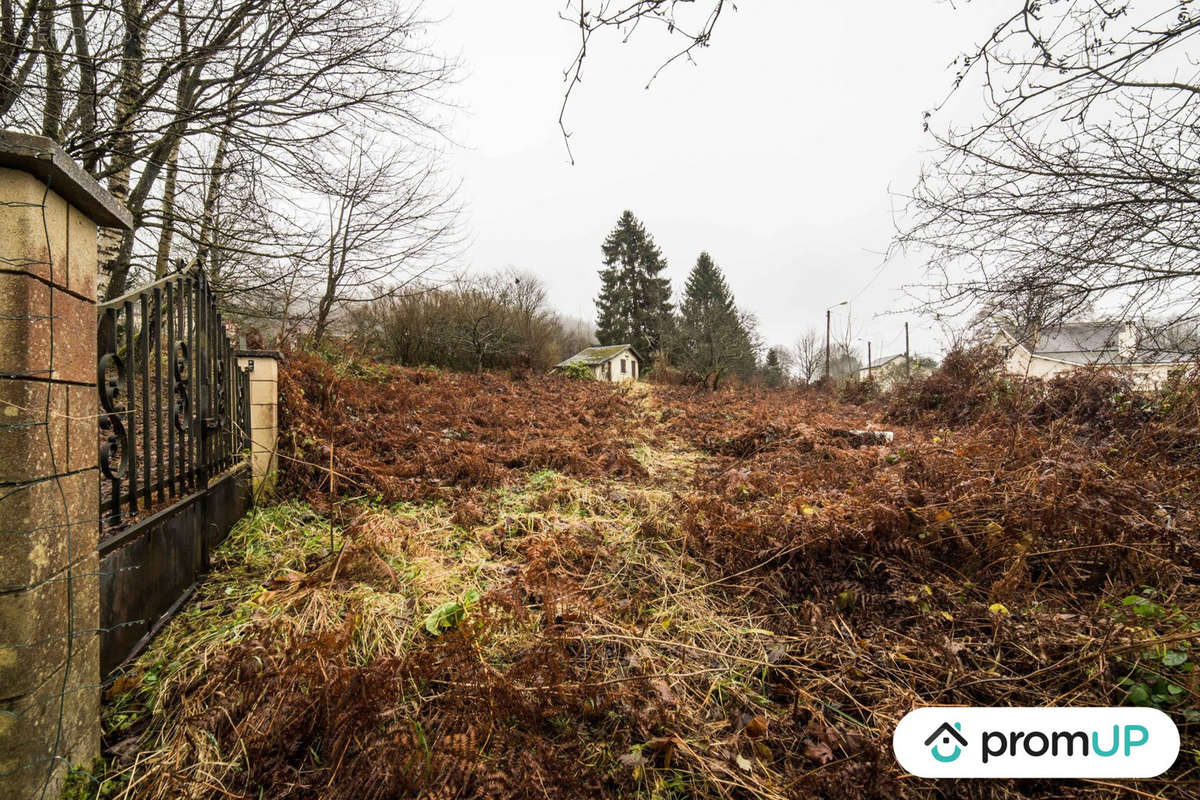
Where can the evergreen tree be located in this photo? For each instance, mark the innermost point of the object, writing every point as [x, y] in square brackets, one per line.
[706, 292]
[714, 337]
[634, 304]
[773, 369]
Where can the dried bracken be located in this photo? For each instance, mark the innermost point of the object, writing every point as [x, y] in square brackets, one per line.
[420, 434]
[658, 592]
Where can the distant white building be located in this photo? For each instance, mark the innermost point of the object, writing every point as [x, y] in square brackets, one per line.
[1056, 349]
[612, 363]
[886, 370]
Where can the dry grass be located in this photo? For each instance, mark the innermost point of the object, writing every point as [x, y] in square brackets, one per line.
[744, 609]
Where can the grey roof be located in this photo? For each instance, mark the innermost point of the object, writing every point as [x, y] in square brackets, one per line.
[884, 360]
[594, 356]
[1086, 343]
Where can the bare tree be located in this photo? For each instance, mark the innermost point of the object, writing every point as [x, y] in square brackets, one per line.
[386, 223]
[481, 323]
[1077, 188]
[690, 22]
[846, 357]
[809, 356]
[157, 98]
[572, 335]
[532, 320]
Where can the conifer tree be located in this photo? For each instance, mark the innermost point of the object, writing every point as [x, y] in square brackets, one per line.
[634, 304]
[773, 368]
[714, 337]
[706, 293]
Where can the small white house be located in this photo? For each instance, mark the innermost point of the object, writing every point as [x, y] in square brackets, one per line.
[1061, 348]
[611, 363]
[887, 370]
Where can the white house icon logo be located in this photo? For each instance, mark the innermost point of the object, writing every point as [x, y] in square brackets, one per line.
[946, 732]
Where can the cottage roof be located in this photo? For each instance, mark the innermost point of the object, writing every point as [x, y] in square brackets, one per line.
[594, 356]
[1087, 343]
[884, 360]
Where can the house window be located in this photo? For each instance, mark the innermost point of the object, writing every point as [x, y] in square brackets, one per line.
[622, 366]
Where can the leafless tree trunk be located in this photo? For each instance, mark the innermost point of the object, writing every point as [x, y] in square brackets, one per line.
[53, 106]
[809, 356]
[167, 233]
[388, 224]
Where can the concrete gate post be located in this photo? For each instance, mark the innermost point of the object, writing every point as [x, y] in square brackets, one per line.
[264, 415]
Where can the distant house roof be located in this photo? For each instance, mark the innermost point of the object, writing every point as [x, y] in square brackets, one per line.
[1089, 343]
[883, 361]
[594, 356]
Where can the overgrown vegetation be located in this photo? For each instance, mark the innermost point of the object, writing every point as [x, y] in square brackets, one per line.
[558, 588]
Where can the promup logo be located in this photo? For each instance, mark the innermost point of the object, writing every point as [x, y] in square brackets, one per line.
[946, 733]
[1036, 742]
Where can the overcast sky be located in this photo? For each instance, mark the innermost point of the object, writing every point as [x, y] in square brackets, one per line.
[776, 151]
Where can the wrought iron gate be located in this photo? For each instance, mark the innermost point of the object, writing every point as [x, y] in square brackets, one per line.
[174, 406]
[174, 421]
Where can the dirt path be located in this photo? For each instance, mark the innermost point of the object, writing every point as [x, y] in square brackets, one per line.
[670, 461]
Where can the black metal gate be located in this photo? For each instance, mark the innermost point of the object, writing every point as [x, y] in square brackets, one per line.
[174, 425]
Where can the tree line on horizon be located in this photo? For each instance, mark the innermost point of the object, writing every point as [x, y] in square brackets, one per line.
[503, 320]
[705, 337]
[498, 320]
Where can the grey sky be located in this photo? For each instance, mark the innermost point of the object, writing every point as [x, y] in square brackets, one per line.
[775, 152]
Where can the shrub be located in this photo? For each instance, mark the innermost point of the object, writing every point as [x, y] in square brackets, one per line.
[578, 371]
[968, 382]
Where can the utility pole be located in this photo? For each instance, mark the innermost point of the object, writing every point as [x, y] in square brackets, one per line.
[870, 374]
[827, 313]
[907, 364]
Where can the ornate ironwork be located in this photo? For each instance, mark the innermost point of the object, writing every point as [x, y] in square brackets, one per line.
[115, 442]
[167, 359]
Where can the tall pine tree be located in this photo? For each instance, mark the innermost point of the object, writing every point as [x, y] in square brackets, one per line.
[714, 338]
[634, 304]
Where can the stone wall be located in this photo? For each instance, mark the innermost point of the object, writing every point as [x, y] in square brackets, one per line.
[49, 483]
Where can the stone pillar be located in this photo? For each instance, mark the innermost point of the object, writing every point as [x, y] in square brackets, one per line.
[49, 486]
[264, 415]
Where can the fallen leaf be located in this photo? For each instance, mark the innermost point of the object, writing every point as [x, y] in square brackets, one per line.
[664, 691]
[664, 745]
[756, 727]
[819, 752]
[776, 654]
